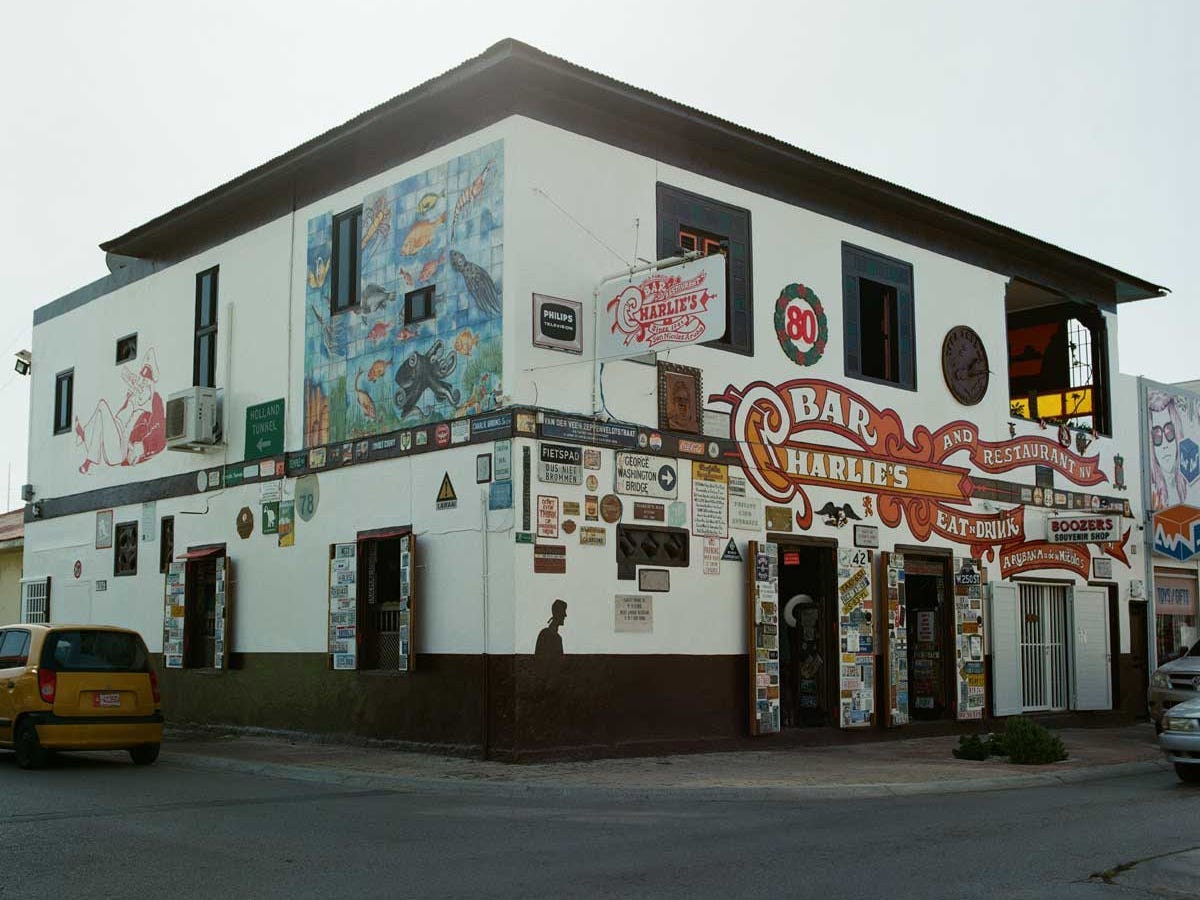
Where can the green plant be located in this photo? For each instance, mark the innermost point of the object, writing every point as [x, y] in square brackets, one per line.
[970, 747]
[1028, 743]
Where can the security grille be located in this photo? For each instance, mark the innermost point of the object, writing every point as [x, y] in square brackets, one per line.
[1043, 647]
[35, 600]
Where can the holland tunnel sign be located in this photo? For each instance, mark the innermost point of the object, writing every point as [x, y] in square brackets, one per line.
[264, 429]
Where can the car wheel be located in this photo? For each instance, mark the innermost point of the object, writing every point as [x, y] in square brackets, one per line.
[144, 755]
[1188, 772]
[30, 752]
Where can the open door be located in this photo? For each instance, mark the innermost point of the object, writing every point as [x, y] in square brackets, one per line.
[1091, 682]
[1004, 633]
[762, 630]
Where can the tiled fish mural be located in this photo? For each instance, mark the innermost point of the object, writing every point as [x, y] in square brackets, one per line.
[368, 370]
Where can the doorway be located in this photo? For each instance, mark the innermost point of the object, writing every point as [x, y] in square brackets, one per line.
[1043, 647]
[200, 619]
[1139, 654]
[929, 619]
[383, 612]
[808, 652]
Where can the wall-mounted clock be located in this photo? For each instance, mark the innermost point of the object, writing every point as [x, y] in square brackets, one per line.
[965, 365]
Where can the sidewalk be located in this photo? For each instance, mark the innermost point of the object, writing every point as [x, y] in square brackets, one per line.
[886, 768]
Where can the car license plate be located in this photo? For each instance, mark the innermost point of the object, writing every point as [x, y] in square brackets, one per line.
[106, 699]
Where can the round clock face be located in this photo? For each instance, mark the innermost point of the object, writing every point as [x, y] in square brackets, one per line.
[965, 365]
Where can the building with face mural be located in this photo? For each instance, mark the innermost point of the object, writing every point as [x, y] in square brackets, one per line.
[381, 410]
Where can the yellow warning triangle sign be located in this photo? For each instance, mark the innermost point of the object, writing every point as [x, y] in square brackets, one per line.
[446, 491]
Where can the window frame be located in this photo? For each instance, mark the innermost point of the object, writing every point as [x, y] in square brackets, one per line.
[680, 210]
[61, 414]
[863, 263]
[336, 308]
[117, 573]
[166, 549]
[206, 329]
[429, 294]
[132, 357]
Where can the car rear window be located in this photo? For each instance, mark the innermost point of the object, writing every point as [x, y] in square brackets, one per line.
[82, 650]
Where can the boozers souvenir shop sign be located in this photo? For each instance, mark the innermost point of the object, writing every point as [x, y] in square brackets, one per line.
[813, 433]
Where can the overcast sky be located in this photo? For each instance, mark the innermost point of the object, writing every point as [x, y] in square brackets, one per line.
[1070, 121]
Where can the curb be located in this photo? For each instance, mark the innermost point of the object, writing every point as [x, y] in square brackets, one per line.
[760, 792]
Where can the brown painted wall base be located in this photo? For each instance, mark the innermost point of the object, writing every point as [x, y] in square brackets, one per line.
[576, 705]
[573, 706]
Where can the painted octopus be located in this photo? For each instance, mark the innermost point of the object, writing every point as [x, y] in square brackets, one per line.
[426, 371]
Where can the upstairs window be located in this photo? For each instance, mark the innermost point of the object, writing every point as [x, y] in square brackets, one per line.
[418, 305]
[64, 391]
[204, 354]
[127, 348]
[688, 222]
[1057, 360]
[877, 302]
[346, 251]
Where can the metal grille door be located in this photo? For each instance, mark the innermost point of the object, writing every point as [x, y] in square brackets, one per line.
[1043, 647]
[35, 600]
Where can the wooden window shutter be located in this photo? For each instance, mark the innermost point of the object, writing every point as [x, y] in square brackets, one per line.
[850, 308]
[907, 354]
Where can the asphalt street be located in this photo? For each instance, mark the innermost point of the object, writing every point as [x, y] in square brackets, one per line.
[96, 826]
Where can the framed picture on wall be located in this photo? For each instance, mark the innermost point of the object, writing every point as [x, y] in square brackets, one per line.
[104, 529]
[680, 389]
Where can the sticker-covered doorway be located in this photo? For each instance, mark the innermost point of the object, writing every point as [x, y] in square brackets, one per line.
[929, 621]
[808, 651]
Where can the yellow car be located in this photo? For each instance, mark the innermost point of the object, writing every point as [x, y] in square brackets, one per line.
[77, 687]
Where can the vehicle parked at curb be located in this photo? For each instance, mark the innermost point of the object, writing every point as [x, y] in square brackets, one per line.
[1173, 683]
[1180, 739]
[77, 687]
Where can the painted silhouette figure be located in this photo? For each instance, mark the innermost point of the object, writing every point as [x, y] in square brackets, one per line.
[549, 641]
[136, 431]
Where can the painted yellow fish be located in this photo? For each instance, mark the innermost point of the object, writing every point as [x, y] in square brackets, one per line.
[377, 369]
[428, 202]
[420, 235]
[466, 341]
[364, 399]
[316, 278]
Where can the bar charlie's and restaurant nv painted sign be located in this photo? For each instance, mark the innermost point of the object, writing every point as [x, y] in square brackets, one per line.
[915, 479]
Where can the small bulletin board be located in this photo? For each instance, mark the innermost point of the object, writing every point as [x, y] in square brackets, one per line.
[343, 606]
[762, 594]
[969, 578]
[897, 640]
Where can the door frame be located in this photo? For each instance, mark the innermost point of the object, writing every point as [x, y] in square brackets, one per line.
[1065, 587]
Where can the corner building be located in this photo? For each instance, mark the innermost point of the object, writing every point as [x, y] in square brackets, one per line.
[896, 484]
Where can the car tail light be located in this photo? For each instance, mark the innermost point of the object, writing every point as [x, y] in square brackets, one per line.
[47, 684]
[154, 685]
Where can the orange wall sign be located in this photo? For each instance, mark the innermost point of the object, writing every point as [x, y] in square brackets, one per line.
[810, 432]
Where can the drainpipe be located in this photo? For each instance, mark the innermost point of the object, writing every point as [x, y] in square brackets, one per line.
[485, 686]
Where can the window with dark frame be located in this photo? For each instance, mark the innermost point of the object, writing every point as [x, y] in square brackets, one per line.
[346, 256]
[877, 304]
[688, 222]
[127, 348]
[64, 393]
[204, 357]
[648, 545]
[418, 305]
[166, 542]
[1058, 366]
[125, 549]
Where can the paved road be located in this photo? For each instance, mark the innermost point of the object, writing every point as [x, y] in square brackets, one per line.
[96, 826]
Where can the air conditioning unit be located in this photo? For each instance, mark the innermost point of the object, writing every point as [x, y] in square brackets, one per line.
[192, 422]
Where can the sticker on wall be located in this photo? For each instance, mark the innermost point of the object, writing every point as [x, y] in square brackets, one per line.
[308, 496]
[592, 536]
[446, 496]
[550, 559]
[592, 483]
[591, 459]
[838, 516]
[104, 529]
[712, 556]
[591, 508]
[270, 517]
[633, 613]
[801, 325]
[245, 523]
[779, 518]
[287, 523]
[610, 508]
[500, 495]
[650, 512]
[731, 554]
[710, 500]
[569, 526]
[677, 514]
[547, 516]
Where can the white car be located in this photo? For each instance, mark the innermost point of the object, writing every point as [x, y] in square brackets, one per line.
[1180, 739]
